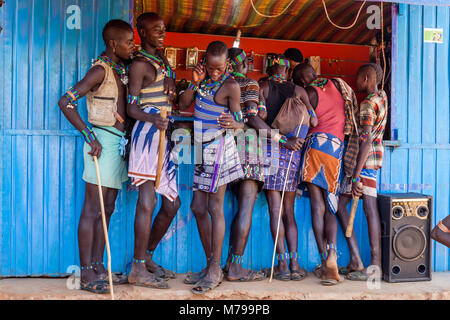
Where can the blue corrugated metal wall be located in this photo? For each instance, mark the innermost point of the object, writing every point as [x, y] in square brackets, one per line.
[41, 185]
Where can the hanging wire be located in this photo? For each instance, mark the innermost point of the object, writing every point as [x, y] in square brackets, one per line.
[271, 16]
[340, 27]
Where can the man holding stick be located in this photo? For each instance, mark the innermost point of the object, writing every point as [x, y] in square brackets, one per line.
[147, 98]
[373, 117]
[105, 87]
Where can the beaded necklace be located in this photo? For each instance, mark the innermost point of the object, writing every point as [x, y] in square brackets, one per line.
[278, 78]
[207, 85]
[372, 95]
[320, 83]
[118, 67]
[237, 74]
[166, 69]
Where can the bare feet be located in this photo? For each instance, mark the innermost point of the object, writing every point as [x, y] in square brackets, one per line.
[139, 276]
[332, 272]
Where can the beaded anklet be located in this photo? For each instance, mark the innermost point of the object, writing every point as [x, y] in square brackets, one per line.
[139, 261]
[293, 255]
[323, 255]
[331, 246]
[149, 252]
[86, 268]
[283, 256]
[236, 259]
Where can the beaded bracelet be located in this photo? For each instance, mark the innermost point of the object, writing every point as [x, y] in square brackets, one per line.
[88, 135]
[312, 113]
[357, 179]
[279, 138]
[262, 107]
[364, 135]
[72, 95]
[133, 99]
[238, 116]
[192, 86]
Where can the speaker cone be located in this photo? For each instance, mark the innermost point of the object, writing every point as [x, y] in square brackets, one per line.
[409, 243]
[397, 212]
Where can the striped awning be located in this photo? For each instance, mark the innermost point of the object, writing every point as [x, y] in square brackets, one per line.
[298, 19]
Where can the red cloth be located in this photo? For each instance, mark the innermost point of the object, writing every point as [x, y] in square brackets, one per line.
[330, 111]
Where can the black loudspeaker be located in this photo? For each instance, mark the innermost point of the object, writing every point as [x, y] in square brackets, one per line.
[405, 236]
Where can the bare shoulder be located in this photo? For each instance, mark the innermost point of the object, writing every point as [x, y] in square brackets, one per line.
[97, 71]
[231, 84]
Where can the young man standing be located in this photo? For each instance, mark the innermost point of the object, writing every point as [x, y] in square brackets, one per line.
[248, 187]
[372, 121]
[105, 88]
[145, 100]
[322, 158]
[275, 91]
[217, 96]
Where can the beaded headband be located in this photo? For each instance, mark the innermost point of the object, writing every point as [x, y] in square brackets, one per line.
[280, 61]
[239, 58]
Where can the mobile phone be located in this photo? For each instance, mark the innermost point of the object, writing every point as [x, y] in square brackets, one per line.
[204, 60]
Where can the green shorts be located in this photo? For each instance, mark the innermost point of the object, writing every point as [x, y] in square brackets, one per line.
[113, 171]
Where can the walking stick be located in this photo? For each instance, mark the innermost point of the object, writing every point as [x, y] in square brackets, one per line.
[281, 205]
[105, 228]
[349, 230]
[162, 143]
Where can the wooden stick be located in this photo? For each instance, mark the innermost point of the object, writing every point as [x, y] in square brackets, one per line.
[349, 230]
[105, 228]
[162, 144]
[281, 205]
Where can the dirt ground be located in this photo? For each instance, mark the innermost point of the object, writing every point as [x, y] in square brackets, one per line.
[308, 289]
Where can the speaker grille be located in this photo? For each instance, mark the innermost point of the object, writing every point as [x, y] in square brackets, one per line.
[409, 243]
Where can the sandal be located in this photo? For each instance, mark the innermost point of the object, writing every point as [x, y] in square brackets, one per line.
[344, 271]
[357, 276]
[164, 273]
[204, 286]
[282, 275]
[251, 276]
[194, 277]
[331, 282]
[97, 286]
[117, 279]
[156, 283]
[297, 275]
[318, 271]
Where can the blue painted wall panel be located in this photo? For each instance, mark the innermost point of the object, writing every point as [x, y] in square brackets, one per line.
[41, 186]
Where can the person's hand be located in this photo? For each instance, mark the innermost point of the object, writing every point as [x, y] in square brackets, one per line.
[198, 74]
[159, 122]
[169, 88]
[96, 148]
[262, 114]
[357, 189]
[294, 144]
[313, 121]
[227, 121]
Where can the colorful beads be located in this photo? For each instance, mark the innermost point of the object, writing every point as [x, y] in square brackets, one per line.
[283, 256]
[354, 180]
[236, 259]
[293, 255]
[192, 86]
[133, 99]
[283, 140]
[320, 83]
[331, 246]
[262, 106]
[323, 255]
[239, 58]
[280, 61]
[88, 135]
[278, 78]
[86, 268]
[238, 116]
[365, 135]
[237, 74]
[312, 113]
[166, 69]
[118, 67]
[72, 95]
[149, 252]
[139, 261]
[251, 111]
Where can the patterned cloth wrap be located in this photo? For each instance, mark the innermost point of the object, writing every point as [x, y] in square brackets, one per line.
[143, 161]
[220, 165]
[276, 164]
[368, 179]
[321, 165]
